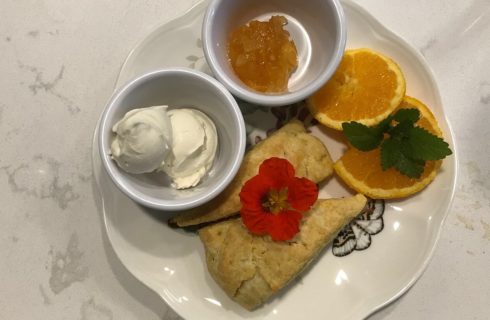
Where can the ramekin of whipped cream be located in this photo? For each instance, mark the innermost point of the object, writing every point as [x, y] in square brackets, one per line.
[171, 139]
[180, 142]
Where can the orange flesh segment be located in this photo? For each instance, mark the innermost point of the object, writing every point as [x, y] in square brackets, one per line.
[365, 167]
[361, 88]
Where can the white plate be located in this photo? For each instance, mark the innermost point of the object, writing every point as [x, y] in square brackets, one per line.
[171, 262]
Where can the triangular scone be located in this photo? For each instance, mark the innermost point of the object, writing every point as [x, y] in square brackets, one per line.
[307, 154]
[250, 269]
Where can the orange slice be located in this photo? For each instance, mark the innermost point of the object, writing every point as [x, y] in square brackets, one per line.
[362, 170]
[366, 87]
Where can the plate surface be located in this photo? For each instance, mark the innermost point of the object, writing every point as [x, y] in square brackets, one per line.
[171, 262]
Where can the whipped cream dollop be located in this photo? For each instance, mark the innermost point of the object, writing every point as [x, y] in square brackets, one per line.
[180, 142]
[143, 140]
[195, 142]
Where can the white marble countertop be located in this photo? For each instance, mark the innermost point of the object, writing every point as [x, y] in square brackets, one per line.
[60, 60]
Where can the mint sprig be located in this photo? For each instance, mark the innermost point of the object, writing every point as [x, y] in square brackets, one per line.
[404, 146]
[362, 137]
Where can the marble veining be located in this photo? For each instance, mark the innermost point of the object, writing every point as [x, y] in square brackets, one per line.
[67, 268]
[475, 193]
[486, 229]
[12, 133]
[40, 178]
[85, 178]
[479, 184]
[93, 311]
[427, 46]
[462, 30]
[46, 300]
[33, 33]
[485, 92]
[50, 87]
[479, 180]
[468, 224]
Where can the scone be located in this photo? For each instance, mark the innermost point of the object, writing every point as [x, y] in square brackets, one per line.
[307, 154]
[250, 269]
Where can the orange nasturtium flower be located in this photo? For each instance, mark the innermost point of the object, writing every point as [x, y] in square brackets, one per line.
[273, 201]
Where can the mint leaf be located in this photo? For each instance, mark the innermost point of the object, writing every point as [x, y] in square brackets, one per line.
[404, 146]
[426, 146]
[362, 137]
[384, 125]
[410, 167]
[401, 130]
[407, 115]
[393, 155]
[390, 153]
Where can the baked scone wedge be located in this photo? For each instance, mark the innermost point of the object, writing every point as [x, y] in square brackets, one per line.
[307, 154]
[250, 269]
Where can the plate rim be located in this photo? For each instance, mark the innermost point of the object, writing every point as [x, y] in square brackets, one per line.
[194, 10]
[423, 267]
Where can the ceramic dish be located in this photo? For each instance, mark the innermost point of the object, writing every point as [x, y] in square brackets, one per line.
[178, 88]
[387, 259]
[317, 27]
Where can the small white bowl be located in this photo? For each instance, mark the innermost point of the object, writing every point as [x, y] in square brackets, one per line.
[317, 27]
[177, 88]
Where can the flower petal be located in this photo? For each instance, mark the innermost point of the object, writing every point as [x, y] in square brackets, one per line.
[284, 226]
[278, 170]
[253, 192]
[253, 215]
[302, 194]
[255, 221]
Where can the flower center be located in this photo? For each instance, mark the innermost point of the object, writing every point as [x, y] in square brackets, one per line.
[276, 200]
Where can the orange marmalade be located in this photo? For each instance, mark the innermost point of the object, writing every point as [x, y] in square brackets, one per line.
[262, 54]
